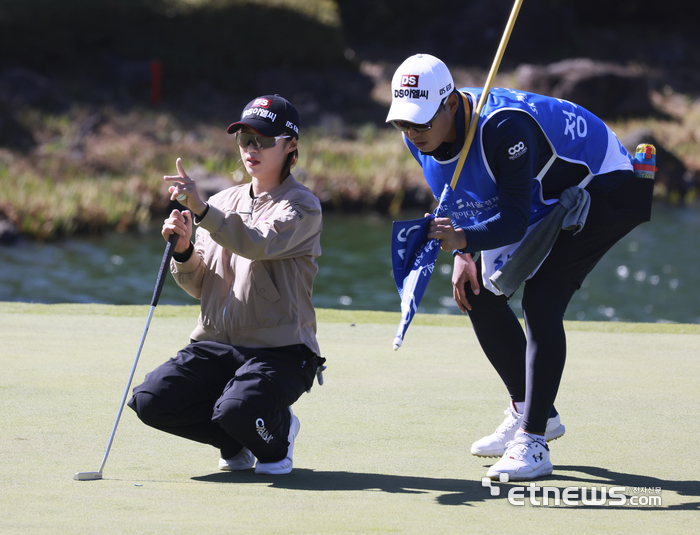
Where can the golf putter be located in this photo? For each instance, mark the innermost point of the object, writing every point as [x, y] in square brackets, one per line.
[167, 255]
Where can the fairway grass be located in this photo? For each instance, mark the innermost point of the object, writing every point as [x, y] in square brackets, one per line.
[383, 446]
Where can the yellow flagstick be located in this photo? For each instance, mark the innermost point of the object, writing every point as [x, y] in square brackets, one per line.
[487, 88]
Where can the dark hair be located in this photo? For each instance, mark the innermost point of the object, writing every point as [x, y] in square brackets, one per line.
[291, 161]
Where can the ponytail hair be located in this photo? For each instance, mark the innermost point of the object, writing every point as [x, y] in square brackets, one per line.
[291, 161]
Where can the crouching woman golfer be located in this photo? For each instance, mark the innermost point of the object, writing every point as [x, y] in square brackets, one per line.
[254, 350]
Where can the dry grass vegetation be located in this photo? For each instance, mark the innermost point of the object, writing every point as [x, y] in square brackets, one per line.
[93, 169]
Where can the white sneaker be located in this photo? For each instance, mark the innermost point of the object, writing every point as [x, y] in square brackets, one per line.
[243, 460]
[285, 465]
[494, 445]
[526, 458]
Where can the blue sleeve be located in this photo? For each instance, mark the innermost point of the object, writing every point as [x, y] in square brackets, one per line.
[512, 143]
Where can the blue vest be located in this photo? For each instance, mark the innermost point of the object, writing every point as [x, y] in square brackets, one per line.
[574, 134]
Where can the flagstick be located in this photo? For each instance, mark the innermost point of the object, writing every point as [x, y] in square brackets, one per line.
[487, 87]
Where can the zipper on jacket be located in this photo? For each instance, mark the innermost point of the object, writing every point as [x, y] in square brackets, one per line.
[230, 291]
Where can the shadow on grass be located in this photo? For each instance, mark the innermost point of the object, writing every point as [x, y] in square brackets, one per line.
[467, 492]
[451, 491]
[635, 485]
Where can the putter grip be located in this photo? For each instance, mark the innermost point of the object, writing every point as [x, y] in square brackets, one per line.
[167, 255]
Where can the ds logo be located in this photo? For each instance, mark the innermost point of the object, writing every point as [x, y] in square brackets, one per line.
[261, 103]
[409, 80]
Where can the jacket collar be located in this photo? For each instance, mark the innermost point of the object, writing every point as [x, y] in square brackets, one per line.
[279, 190]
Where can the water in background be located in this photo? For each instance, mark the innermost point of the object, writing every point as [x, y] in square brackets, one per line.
[651, 275]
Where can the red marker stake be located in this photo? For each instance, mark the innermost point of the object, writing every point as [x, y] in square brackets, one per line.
[156, 75]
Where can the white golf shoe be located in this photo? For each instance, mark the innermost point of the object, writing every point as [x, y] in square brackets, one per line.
[526, 457]
[494, 445]
[285, 465]
[243, 460]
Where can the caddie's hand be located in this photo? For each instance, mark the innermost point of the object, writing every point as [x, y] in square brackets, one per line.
[185, 190]
[464, 272]
[178, 223]
[450, 238]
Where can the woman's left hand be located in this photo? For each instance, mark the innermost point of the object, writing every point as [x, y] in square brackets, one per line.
[185, 190]
[450, 238]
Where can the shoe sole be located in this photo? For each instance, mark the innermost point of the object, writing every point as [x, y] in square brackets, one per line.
[543, 471]
[557, 433]
[277, 472]
[237, 469]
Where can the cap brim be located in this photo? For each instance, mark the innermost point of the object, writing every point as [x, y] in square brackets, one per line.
[261, 127]
[412, 112]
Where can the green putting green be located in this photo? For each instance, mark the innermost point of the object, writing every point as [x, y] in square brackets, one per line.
[384, 443]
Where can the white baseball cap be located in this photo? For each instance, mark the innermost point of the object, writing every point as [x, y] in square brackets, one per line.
[417, 88]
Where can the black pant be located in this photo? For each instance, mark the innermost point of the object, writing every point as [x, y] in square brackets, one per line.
[229, 397]
[531, 363]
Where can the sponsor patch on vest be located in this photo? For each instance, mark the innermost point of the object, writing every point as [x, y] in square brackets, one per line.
[517, 151]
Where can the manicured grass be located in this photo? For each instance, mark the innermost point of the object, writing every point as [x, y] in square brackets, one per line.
[383, 446]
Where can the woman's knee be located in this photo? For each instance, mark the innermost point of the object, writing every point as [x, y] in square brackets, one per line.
[149, 409]
[232, 415]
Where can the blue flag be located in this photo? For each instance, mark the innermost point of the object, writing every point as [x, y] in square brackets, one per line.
[413, 259]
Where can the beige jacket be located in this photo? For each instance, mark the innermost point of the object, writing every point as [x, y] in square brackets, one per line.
[253, 267]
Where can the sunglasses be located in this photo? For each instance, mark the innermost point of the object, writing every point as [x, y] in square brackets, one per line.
[405, 126]
[259, 141]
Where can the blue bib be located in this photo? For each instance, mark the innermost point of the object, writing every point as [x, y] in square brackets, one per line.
[574, 134]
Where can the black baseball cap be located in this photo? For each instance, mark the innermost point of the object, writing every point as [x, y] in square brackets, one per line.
[269, 115]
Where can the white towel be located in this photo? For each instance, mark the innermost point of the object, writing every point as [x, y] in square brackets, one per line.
[570, 213]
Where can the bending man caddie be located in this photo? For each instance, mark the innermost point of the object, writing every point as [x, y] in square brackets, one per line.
[528, 151]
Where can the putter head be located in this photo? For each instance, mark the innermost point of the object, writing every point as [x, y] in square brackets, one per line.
[87, 476]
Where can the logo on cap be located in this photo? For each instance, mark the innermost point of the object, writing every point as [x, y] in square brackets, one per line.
[261, 103]
[409, 80]
[261, 113]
